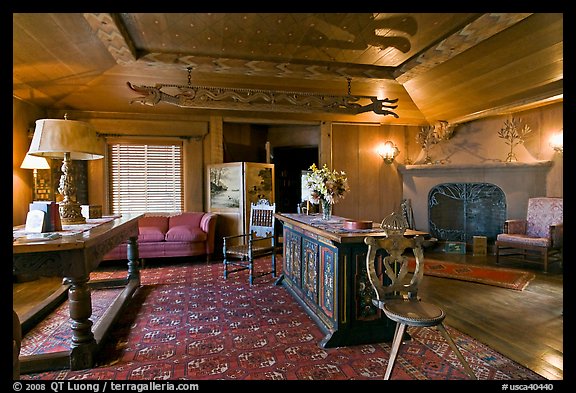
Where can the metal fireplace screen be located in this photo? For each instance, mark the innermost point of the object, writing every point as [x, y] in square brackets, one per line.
[459, 211]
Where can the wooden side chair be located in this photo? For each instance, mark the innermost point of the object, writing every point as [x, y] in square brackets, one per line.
[241, 250]
[396, 292]
[539, 237]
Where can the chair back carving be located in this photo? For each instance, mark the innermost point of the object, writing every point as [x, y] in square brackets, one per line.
[262, 218]
[395, 266]
[395, 263]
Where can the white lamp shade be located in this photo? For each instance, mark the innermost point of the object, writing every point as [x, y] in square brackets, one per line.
[34, 162]
[54, 137]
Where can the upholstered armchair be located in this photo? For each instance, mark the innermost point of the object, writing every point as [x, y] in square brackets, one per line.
[539, 237]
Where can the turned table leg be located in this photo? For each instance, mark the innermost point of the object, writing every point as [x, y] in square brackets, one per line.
[133, 259]
[83, 344]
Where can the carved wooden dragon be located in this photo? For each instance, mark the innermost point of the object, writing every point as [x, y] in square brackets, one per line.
[265, 100]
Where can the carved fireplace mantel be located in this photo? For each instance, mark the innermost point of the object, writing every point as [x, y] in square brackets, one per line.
[436, 169]
[518, 180]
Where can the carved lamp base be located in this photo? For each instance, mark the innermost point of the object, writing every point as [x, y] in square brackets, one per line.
[71, 213]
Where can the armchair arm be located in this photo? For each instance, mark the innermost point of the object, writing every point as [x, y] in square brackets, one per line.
[208, 225]
[515, 226]
[227, 239]
[235, 236]
[250, 245]
[207, 221]
[245, 239]
[557, 235]
[256, 239]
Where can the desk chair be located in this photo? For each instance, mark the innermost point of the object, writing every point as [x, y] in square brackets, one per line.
[241, 250]
[396, 293]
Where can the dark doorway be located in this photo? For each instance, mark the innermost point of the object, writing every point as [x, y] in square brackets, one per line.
[289, 162]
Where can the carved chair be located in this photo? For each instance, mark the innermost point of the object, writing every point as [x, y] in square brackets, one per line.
[396, 291]
[241, 250]
[539, 237]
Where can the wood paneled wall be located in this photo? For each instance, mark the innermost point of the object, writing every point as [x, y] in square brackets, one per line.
[23, 117]
[376, 187]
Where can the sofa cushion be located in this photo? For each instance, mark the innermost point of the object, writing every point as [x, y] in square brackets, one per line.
[185, 233]
[186, 218]
[150, 234]
[152, 228]
[160, 222]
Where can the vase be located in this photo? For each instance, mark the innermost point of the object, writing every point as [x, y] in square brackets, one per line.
[326, 209]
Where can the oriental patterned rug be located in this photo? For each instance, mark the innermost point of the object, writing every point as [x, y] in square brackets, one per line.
[186, 322]
[500, 277]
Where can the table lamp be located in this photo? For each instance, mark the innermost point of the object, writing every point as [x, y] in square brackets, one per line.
[35, 163]
[68, 140]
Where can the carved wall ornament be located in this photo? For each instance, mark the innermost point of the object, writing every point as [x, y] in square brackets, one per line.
[433, 134]
[513, 135]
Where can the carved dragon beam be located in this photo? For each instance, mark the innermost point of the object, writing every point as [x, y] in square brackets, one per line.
[260, 100]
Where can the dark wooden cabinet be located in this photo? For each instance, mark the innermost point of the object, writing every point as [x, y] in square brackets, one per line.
[326, 274]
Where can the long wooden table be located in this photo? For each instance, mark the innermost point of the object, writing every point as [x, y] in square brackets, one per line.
[74, 256]
[324, 268]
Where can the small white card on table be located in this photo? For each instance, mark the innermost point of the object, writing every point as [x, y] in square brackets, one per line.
[35, 221]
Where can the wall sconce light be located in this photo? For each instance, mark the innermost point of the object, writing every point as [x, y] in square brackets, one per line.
[388, 151]
[557, 142]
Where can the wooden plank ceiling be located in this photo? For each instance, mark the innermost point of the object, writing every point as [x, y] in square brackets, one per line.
[445, 66]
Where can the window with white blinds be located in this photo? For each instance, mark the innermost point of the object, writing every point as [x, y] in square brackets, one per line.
[145, 178]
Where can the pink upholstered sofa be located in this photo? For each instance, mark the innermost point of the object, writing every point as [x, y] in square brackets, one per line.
[172, 235]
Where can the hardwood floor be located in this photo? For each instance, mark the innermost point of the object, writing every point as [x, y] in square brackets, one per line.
[526, 326]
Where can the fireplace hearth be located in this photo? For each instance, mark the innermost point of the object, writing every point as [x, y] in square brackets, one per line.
[459, 211]
[508, 185]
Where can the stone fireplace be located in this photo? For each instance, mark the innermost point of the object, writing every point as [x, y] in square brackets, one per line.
[460, 211]
[471, 188]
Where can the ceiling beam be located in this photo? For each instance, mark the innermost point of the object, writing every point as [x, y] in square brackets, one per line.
[110, 30]
[470, 35]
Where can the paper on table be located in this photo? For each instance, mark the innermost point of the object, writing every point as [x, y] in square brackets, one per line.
[35, 221]
[39, 237]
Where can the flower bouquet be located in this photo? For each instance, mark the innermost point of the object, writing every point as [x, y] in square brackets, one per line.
[327, 187]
